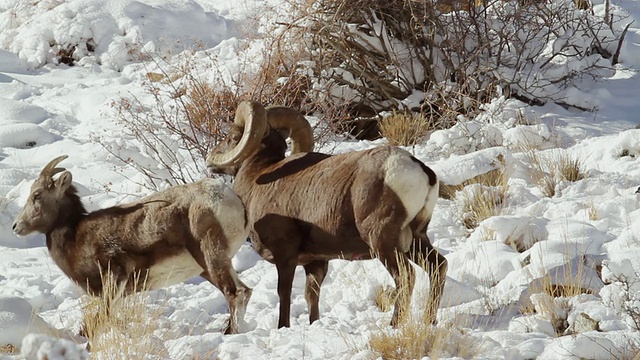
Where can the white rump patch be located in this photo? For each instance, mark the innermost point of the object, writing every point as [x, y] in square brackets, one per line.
[173, 270]
[407, 179]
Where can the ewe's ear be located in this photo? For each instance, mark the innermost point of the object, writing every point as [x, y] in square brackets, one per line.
[64, 181]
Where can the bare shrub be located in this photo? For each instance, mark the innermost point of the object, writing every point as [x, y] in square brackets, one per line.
[335, 57]
[629, 297]
[454, 56]
[189, 103]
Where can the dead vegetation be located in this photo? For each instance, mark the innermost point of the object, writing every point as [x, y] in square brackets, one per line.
[550, 169]
[122, 327]
[416, 337]
[8, 349]
[406, 129]
[350, 62]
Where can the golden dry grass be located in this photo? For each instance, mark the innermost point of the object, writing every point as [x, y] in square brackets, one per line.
[496, 177]
[592, 211]
[405, 129]
[385, 298]
[568, 167]
[8, 349]
[155, 77]
[485, 196]
[549, 170]
[415, 337]
[122, 327]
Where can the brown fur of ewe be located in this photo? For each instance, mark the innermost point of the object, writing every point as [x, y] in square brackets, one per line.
[165, 238]
[309, 208]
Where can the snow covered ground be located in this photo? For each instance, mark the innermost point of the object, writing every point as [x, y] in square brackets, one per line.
[587, 234]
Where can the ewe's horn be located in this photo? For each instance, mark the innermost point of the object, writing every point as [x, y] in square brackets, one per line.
[50, 169]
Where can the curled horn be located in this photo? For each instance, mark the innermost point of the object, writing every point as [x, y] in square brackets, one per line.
[299, 130]
[251, 117]
[50, 169]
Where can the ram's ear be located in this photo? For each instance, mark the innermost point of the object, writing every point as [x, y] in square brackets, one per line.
[284, 133]
[63, 182]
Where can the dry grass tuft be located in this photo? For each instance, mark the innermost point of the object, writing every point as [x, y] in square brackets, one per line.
[569, 168]
[405, 129]
[552, 301]
[385, 298]
[413, 340]
[484, 196]
[550, 170]
[592, 211]
[155, 77]
[122, 327]
[415, 337]
[8, 349]
[480, 204]
[496, 177]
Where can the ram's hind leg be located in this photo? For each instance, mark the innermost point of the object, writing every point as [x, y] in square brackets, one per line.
[391, 252]
[425, 255]
[316, 271]
[403, 275]
[382, 228]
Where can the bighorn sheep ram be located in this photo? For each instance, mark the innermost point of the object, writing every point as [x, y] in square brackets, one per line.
[308, 208]
[165, 238]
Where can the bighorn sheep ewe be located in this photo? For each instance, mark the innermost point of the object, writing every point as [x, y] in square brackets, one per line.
[165, 238]
[308, 208]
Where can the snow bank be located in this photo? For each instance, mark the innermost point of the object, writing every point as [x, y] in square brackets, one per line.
[111, 33]
[43, 347]
[17, 319]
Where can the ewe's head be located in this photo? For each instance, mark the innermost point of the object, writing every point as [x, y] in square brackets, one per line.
[253, 127]
[44, 201]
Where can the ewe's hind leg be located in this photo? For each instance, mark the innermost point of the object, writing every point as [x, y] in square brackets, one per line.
[316, 271]
[423, 254]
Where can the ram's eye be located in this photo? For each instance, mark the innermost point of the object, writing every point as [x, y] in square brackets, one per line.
[37, 196]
